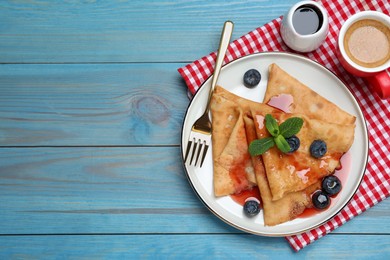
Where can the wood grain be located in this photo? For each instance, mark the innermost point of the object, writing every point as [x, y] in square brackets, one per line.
[210, 246]
[123, 31]
[73, 104]
[91, 108]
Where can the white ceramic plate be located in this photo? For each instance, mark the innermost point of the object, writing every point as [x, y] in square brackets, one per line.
[320, 80]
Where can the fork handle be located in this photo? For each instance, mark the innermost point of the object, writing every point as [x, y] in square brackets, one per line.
[223, 45]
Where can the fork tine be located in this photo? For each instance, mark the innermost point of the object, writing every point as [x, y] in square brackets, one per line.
[189, 144]
[206, 147]
[193, 151]
[198, 153]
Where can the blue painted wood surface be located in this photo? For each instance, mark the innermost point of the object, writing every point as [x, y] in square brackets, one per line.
[91, 107]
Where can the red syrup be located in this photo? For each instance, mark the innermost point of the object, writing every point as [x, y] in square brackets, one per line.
[241, 197]
[341, 173]
[282, 102]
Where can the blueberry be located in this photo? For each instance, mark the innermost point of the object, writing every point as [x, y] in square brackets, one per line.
[331, 185]
[318, 148]
[251, 208]
[320, 200]
[294, 143]
[252, 78]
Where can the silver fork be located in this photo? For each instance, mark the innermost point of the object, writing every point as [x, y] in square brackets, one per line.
[200, 136]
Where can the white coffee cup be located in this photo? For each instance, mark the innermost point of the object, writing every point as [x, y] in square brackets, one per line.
[291, 29]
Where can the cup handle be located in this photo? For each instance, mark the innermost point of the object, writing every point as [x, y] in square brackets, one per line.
[380, 83]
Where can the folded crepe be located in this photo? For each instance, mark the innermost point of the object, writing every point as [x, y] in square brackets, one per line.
[286, 208]
[290, 172]
[232, 165]
[290, 95]
[323, 120]
[233, 170]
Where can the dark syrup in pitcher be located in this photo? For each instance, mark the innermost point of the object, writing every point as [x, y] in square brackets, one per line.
[307, 19]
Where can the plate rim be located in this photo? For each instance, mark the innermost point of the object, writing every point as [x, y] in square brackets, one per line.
[351, 195]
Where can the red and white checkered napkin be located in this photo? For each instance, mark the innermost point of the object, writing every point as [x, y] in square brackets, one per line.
[375, 186]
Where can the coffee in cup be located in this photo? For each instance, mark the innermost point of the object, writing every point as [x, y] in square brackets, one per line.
[367, 43]
[364, 49]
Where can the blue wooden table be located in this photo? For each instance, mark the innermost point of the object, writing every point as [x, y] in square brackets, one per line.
[91, 108]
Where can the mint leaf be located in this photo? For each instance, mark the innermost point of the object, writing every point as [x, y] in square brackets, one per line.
[260, 146]
[282, 144]
[279, 134]
[271, 125]
[291, 126]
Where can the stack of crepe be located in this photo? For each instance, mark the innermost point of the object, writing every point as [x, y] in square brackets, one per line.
[285, 181]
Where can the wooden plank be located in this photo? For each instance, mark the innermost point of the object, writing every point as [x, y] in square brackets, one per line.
[102, 200]
[114, 190]
[56, 190]
[206, 246]
[123, 31]
[91, 104]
